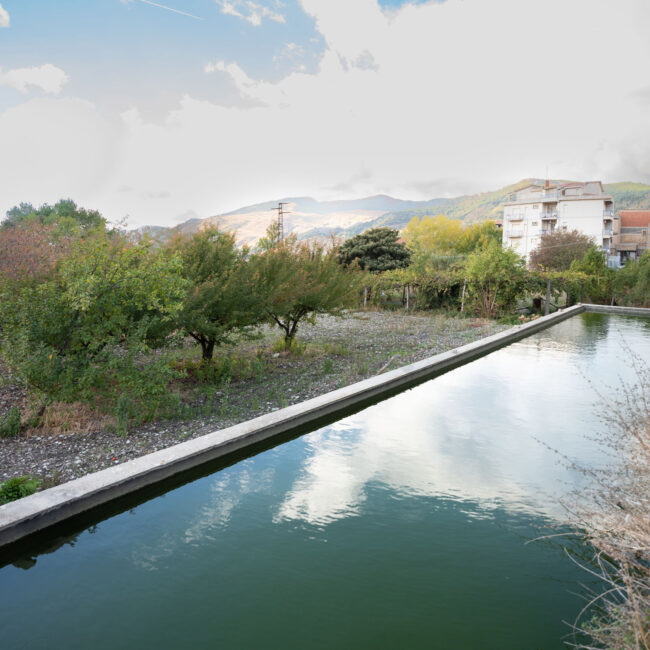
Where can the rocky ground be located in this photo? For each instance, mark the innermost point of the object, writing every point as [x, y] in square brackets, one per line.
[332, 353]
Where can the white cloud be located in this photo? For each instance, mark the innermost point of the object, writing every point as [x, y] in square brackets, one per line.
[4, 17]
[54, 148]
[47, 78]
[442, 98]
[252, 12]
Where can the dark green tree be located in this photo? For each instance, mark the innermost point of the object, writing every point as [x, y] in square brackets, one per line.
[375, 250]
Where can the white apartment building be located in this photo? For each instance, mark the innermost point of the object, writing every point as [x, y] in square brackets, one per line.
[543, 208]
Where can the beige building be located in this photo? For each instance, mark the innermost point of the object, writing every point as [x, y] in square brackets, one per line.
[543, 208]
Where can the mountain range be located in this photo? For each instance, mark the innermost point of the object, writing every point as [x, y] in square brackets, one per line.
[312, 219]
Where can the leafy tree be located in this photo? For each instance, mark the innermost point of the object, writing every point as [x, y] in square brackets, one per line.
[632, 283]
[478, 235]
[557, 250]
[222, 299]
[495, 278]
[271, 238]
[596, 281]
[438, 235]
[85, 333]
[375, 250]
[29, 252]
[65, 215]
[432, 239]
[297, 282]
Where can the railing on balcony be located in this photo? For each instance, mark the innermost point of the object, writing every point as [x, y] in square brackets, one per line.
[607, 232]
[608, 214]
[515, 232]
[549, 215]
[515, 217]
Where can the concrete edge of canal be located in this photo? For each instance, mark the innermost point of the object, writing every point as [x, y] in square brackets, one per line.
[39, 511]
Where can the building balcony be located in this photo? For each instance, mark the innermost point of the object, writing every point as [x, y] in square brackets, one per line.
[515, 232]
[515, 217]
[608, 214]
[549, 215]
[607, 232]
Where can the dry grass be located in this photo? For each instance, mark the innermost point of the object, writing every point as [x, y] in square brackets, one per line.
[61, 418]
[616, 518]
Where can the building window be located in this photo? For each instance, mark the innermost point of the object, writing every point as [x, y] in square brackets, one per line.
[535, 206]
[535, 223]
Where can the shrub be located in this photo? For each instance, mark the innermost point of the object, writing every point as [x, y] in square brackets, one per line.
[17, 488]
[86, 334]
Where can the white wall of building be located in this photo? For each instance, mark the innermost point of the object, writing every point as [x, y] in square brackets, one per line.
[523, 223]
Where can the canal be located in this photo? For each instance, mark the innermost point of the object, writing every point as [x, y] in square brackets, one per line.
[405, 525]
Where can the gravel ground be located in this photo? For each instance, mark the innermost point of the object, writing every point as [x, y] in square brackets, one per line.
[338, 352]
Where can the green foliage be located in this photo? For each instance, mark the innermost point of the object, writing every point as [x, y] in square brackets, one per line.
[296, 282]
[85, 333]
[375, 250]
[631, 284]
[557, 250]
[222, 300]
[10, 423]
[431, 239]
[596, 281]
[496, 277]
[65, 215]
[17, 488]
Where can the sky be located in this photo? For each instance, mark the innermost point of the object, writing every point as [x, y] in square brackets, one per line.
[159, 111]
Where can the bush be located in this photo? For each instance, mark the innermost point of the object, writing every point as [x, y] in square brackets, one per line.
[10, 424]
[17, 488]
[495, 279]
[86, 334]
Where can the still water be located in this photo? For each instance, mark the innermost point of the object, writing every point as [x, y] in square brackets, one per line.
[402, 526]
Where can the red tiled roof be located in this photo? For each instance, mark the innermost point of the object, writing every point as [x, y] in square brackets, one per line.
[635, 218]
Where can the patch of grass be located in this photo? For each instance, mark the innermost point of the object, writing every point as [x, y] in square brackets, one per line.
[17, 488]
[10, 424]
[328, 364]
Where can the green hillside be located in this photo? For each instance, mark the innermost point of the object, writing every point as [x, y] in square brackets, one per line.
[629, 196]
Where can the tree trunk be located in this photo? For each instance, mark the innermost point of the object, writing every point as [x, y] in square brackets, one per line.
[547, 307]
[207, 349]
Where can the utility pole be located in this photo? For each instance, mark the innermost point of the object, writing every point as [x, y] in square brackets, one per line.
[281, 213]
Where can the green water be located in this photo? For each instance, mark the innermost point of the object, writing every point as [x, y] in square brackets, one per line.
[402, 526]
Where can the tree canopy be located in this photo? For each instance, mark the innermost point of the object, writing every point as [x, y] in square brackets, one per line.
[557, 250]
[496, 277]
[65, 215]
[299, 281]
[221, 299]
[375, 250]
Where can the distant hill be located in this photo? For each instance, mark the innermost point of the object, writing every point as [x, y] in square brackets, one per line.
[312, 219]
